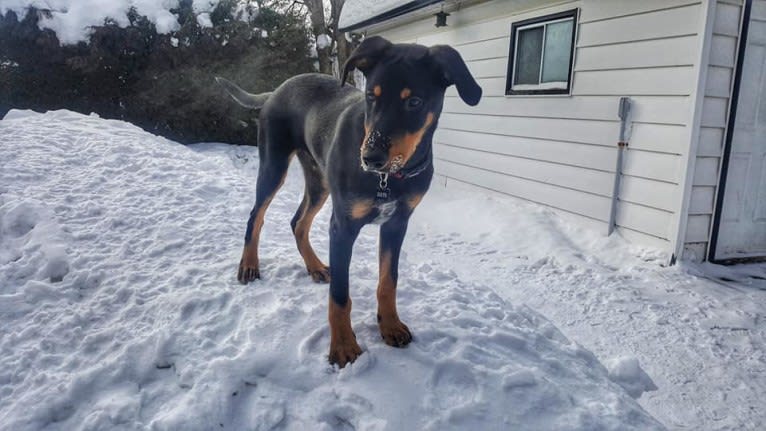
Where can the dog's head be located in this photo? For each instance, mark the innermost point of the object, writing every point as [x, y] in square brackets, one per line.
[404, 97]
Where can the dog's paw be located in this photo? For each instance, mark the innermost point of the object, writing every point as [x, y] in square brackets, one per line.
[394, 332]
[344, 353]
[320, 275]
[247, 273]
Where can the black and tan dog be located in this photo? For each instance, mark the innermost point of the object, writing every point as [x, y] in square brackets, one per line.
[370, 151]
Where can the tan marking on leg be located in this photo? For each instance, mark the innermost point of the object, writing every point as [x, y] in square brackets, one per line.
[394, 332]
[361, 208]
[343, 346]
[261, 215]
[406, 92]
[319, 271]
[406, 145]
[413, 201]
[377, 91]
[249, 264]
[386, 289]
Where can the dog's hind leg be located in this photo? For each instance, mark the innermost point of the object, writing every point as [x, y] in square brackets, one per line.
[314, 197]
[272, 171]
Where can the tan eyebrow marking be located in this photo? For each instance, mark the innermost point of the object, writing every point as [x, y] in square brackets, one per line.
[406, 92]
[376, 91]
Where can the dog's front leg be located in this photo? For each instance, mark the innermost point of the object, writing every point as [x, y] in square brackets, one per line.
[394, 332]
[343, 346]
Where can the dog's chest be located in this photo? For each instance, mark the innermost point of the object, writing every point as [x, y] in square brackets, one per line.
[385, 210]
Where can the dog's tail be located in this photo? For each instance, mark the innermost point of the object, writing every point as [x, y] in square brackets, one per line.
[248, 100]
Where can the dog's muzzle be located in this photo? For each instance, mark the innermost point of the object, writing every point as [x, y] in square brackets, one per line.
[375, 152]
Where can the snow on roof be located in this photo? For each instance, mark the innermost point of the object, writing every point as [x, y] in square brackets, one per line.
[72, 20]
[358, 11]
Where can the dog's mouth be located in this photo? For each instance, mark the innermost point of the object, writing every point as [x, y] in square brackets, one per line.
[383, 170]
[374, 171]
[393, 166]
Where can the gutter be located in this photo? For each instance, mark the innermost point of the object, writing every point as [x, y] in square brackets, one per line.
[391, 14]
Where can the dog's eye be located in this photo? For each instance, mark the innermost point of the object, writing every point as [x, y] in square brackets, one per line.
[413, 103]
[370, 96]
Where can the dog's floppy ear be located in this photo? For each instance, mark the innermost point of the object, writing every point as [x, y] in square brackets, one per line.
[456, 72]
[365, 56]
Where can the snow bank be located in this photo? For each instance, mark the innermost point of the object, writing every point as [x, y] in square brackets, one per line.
[148, 329]
[28, 227]
[72, 20]
[626, 372]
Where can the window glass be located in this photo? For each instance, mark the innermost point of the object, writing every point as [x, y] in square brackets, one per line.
[541, 54]
[529, 50]
[558, 51]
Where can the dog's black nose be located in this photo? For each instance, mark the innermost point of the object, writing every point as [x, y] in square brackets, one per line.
[374, 161]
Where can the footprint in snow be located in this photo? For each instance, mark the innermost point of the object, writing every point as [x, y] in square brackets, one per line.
[452, 385]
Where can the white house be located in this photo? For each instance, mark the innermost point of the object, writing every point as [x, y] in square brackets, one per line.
[693, 177]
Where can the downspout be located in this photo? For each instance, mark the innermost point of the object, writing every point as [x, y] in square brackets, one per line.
[626, 127]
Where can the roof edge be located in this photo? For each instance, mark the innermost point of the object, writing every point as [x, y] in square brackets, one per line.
[393, 13]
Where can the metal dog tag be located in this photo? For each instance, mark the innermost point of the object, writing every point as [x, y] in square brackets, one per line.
[382, 194]
[383, 190]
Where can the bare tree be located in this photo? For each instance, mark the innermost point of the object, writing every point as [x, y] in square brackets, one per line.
[343, 47]
[319, 28]
[331, 44]
[338, 46]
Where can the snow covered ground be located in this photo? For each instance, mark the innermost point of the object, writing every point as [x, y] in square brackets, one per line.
[120, 310]
[699, 331]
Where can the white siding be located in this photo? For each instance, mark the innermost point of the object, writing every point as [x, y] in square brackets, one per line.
[560, 150]
[712, 128]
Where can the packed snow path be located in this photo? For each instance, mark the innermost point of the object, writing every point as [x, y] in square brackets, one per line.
[120, 310]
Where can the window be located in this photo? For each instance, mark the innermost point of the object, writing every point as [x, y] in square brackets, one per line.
[540, 59]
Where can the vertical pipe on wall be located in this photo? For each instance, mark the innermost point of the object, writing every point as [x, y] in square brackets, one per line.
[624, 113]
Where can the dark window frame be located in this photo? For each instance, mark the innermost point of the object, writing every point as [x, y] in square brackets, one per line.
[509, 91]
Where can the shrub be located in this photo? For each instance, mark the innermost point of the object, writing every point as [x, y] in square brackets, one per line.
[161, 82]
